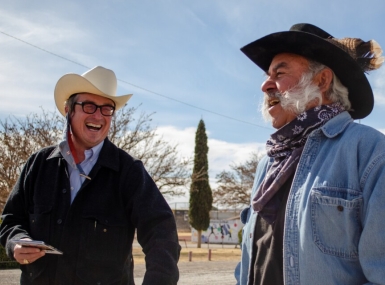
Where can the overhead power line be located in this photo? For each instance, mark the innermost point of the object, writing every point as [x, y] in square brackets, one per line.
[136, 86]
[47, 51]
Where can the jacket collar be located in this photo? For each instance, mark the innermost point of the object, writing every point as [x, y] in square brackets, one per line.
[336, 125]
[55, 153]
[108, 157]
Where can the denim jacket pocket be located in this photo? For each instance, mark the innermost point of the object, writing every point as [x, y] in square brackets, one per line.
[335, 219]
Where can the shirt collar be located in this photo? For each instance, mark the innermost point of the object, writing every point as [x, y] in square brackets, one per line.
[65, 151]
[109, 155]
[94, 151]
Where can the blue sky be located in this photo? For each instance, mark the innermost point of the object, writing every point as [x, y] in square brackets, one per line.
[185, 50]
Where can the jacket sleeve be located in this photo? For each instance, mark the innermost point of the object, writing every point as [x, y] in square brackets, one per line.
[156, 228]
[15, 214]
[371, 245]
[248, 218]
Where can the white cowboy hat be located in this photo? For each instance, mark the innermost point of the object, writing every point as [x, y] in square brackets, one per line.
[98, 80]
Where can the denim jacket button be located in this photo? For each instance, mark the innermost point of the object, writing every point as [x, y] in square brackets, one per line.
[340, 208]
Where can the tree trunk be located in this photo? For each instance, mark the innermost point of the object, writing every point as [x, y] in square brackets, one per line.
[199, 238]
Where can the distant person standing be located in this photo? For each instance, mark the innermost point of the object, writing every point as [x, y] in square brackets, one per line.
[87, 197]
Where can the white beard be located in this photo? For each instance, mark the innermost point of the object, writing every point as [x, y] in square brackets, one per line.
[296, 99]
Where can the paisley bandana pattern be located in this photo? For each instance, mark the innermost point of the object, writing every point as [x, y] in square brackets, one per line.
[286, 146]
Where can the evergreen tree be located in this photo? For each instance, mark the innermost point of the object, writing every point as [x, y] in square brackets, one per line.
[201, 198]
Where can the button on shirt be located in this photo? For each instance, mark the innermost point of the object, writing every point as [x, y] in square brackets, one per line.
[91, 156]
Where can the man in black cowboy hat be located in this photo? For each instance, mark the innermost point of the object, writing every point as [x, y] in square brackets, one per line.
[86, 197]
[317, 205]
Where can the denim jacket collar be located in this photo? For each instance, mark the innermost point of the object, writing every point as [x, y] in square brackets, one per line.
[336, 125]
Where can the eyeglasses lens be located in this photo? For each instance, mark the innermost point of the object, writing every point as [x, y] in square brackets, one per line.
[91, 108]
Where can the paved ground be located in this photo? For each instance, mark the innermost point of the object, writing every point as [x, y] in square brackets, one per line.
[191, 273]
[9, 277]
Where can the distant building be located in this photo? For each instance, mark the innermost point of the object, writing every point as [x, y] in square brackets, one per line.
[224, 224]
[180, 210]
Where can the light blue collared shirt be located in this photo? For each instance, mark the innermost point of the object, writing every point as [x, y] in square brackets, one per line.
[91, 156]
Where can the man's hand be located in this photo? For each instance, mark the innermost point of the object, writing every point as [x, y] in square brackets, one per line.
[26, 254]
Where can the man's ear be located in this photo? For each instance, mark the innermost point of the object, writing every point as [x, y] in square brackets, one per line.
[324, 79]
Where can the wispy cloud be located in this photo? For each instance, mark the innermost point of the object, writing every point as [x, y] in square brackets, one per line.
[29, 70]
[221, 154]
[33, 26]
[379, 86]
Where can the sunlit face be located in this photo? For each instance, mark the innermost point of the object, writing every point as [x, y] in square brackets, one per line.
[88, 130]
[284, 73]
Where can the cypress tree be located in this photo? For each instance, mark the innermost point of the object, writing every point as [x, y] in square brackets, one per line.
[201, 198]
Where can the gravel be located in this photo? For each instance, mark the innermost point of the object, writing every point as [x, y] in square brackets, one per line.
[191, 273]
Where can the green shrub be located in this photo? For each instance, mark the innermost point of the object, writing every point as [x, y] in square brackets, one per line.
[5, 261]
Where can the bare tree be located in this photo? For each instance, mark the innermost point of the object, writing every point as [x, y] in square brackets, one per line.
[170, 172]
[20, 137]
[234, 187]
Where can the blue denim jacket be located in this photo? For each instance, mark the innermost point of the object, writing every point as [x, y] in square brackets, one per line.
[334, 226]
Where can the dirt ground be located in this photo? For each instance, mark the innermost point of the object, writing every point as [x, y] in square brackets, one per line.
[191, 273]
[219, 252]
[200, 270]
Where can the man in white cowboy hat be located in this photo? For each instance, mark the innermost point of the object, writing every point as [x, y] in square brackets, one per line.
[86, 197]
[317, 204]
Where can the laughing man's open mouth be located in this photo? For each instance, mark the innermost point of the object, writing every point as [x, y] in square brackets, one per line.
[93, 127]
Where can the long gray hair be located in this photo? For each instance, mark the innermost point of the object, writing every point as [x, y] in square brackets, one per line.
[337, 91]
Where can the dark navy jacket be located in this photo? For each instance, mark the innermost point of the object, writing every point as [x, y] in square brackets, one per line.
[96, 231]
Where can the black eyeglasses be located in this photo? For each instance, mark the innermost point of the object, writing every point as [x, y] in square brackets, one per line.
[90, 108]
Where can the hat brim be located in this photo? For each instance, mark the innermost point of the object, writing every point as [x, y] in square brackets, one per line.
[263, 50]
[70, 84]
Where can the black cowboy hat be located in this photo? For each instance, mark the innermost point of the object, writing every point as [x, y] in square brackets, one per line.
[315, 44]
